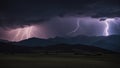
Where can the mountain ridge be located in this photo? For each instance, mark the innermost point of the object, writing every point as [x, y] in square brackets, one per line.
[107, 42]
[10, 48]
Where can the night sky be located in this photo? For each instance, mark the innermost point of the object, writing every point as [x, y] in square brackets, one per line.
[23, 19]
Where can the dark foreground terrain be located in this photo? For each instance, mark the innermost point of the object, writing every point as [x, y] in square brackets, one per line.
[59, 61]
[57, 56]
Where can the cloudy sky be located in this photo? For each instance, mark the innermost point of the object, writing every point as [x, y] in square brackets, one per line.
[63, 18]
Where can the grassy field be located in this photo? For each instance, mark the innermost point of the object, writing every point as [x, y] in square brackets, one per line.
[58, 61]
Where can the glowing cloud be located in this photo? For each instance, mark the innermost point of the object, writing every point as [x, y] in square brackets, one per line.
[23, 33]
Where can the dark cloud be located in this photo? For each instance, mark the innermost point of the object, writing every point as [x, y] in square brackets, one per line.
[26, 12]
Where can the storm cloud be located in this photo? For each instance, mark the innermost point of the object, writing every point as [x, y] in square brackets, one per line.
[53, 18]
[26, 12]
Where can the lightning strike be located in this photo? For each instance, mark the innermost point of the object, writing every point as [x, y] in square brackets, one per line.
[77, 27]
[23, 33]
[107, 26]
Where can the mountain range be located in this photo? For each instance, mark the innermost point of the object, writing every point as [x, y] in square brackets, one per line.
[10, 48]
[106, 42]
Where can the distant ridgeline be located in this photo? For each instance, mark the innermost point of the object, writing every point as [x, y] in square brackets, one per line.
[84, 44]
[106, 42]
[78, 49]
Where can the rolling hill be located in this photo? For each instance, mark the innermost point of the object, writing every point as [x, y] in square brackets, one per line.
[106, 42]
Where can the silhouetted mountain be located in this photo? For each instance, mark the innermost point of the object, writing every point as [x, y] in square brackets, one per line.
[9, 47]
[111, 42]
[57, 49]
[1, 40]
[107, 42]
[78, 48]
[33, 42]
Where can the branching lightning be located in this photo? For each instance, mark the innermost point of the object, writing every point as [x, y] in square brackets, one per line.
[23, 33]
[77, 27]
[107, 26]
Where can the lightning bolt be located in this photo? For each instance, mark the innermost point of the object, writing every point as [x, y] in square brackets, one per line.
[29, 32]
[77, 27]
[107, 28]
[18, 33]
[23, 33]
